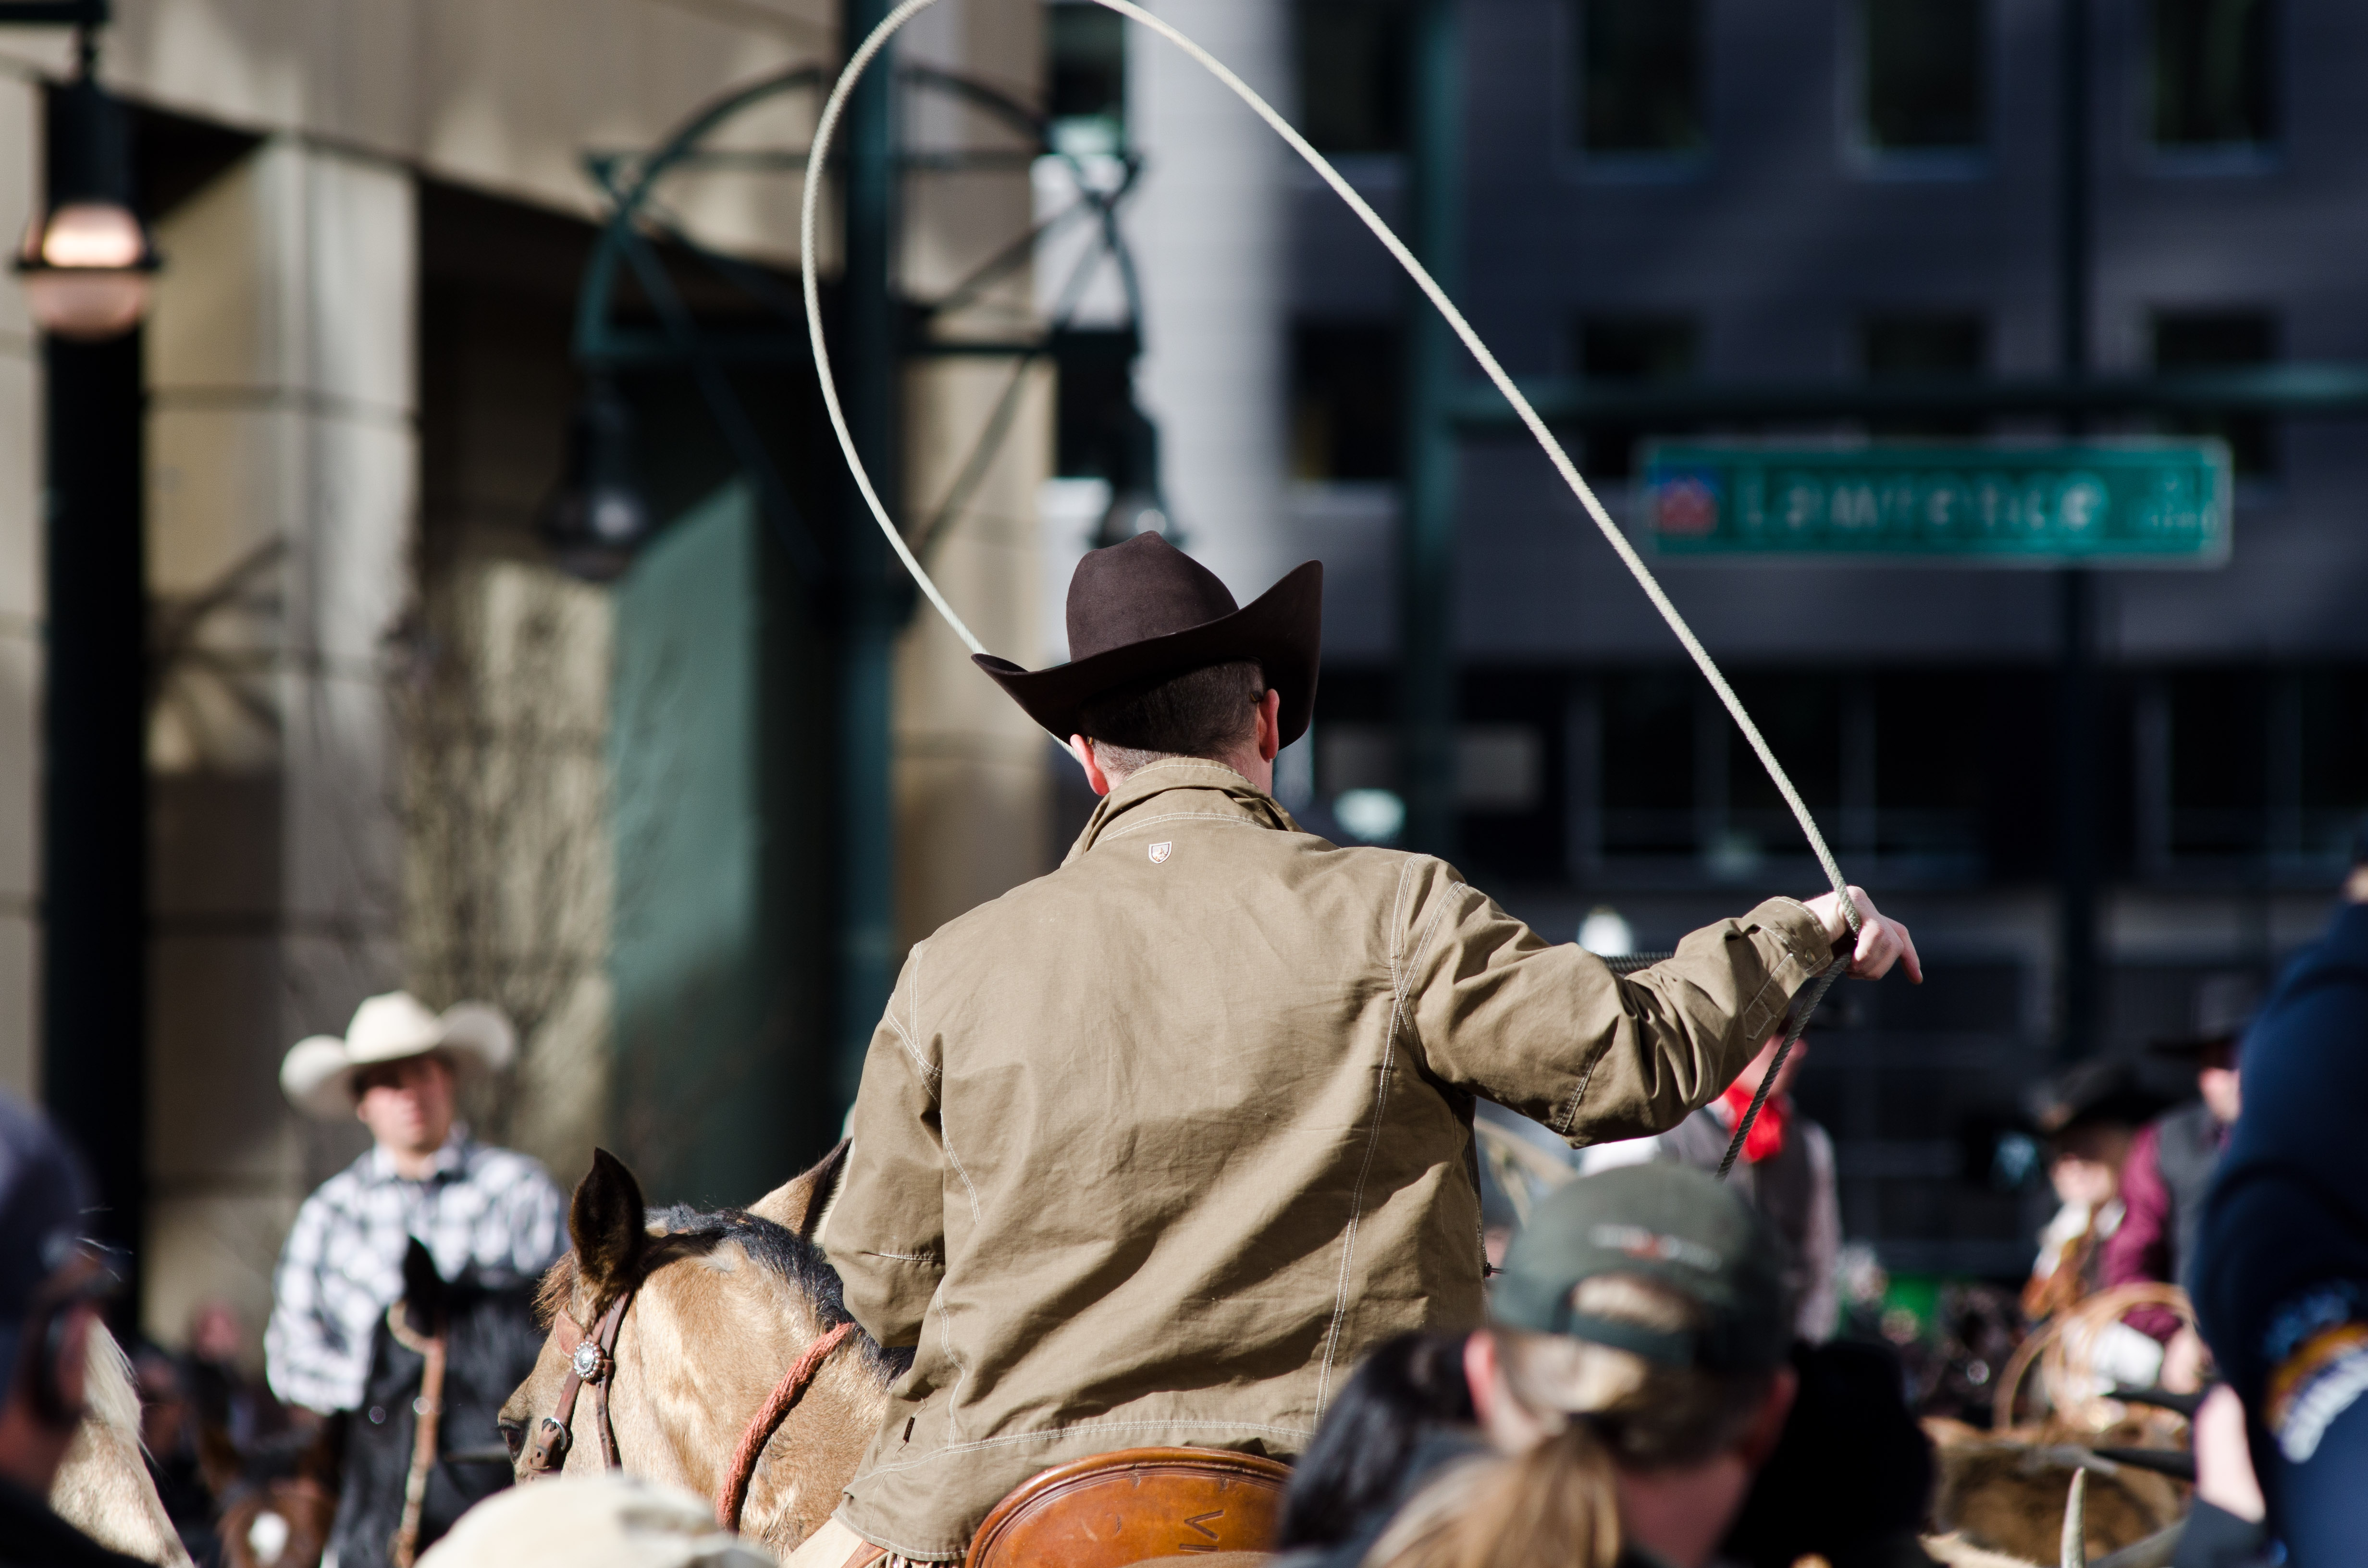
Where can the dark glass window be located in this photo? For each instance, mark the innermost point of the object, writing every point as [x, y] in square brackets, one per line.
[2215, 76]
[1649, 763]
[2220, 340]
[1923, 345]
[1352, 75]
[1800, 716]
[1640, 75]
[2219, 753]
[2332, 757]
[1631, 351]
[1345, 400]
[1924, 73]
[1091, 407]
[1086, 70]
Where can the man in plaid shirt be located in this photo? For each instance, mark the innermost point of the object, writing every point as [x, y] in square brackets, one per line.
[478, 1208]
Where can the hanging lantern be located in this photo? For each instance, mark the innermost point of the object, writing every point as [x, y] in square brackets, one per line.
[596, 518]
[1137, 505]
[86, 263]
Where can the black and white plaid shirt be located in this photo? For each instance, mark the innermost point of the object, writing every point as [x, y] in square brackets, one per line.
[491, 1209]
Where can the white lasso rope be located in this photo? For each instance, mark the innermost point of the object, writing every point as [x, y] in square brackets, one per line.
[808, 207]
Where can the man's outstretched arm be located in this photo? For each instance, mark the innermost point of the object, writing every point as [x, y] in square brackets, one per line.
[1549, 1030]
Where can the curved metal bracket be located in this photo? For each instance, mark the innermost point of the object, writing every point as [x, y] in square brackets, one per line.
[625, 246]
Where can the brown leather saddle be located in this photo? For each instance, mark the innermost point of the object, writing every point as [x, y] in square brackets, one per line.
[1133, 1506]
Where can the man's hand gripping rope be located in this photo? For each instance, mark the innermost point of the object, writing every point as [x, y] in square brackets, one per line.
[1866, 944]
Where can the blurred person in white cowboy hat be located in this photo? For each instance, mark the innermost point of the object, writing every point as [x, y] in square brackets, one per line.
[492, 1212]
[610, 1520]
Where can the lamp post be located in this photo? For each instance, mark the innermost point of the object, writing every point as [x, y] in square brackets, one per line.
[86, 262]
[86, 265]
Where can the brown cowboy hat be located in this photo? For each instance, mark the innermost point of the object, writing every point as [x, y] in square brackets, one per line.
[1144, 611]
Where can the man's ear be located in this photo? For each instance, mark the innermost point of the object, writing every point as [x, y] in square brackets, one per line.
[1767, 1429]
[609, 1224]
[1083, 750]
[1480, 1372]
[1269, 725]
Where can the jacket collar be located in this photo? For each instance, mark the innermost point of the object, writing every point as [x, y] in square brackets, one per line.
[1222, 791]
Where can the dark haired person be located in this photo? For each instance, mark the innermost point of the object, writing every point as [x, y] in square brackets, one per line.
[2170, 1168]
[49, 1284]
[2281, 1270]
[1155, 1149]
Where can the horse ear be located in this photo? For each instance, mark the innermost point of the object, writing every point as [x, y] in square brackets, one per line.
[799, 1203]
[609, 1224]
[423, 1290]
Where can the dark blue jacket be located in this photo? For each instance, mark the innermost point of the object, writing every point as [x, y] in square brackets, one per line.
[2287, 1218]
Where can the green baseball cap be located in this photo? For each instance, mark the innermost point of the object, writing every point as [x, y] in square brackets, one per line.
[1667, 1223]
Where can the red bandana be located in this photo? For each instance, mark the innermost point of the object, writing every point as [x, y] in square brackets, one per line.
[1766, 1129]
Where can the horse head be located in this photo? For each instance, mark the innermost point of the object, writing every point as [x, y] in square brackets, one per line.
[713, 1309]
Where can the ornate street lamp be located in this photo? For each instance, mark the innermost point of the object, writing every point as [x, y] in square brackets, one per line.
[597, 516]
[86, 262]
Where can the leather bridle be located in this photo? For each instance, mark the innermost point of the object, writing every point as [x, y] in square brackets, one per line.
[592, 1359]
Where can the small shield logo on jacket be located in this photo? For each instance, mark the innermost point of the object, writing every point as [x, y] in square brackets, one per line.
[1159, 852]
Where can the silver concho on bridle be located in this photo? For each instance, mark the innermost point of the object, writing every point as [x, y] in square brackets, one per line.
[588, 1361]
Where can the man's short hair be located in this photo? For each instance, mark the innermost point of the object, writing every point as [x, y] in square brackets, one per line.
[1651, 1415]
[1203, 712]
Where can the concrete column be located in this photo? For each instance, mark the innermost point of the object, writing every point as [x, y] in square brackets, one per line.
[1208, 232]
[283, 473]
[970, 784]
[21, 609]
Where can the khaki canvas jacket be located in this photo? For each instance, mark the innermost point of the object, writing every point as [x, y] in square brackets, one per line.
[1155, 1149]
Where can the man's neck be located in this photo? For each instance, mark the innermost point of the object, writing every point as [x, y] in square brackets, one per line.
[1249, 765]
[411, 1165]
[1679, 1516]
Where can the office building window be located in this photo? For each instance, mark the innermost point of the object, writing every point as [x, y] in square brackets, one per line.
[1631, 351]
[2215, 73]
[1345, 400]
[1648, 777]
[1923, 73]
[1352, 75]
[2236, 765]
[2221, 340]
[1086, 76]
[1640, 77]
[1922, 345]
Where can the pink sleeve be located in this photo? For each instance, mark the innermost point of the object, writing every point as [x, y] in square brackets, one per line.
[2139, 1249]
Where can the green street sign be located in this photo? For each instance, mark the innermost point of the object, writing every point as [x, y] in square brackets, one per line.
[2139, 503]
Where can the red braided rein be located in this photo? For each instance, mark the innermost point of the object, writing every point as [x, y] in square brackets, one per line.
[732, 1494]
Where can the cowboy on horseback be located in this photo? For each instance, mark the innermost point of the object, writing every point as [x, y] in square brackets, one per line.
[490, 1212]
[1153, 1149]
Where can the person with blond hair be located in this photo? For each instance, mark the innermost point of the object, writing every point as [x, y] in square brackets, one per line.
[1633, 1376]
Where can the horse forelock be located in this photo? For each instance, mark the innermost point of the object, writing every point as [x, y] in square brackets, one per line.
[557, 1291]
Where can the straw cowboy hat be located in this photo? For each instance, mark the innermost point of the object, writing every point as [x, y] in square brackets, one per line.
[318, 1075]
[1144, 611]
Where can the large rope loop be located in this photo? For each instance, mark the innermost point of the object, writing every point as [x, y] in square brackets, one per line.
[809, 208]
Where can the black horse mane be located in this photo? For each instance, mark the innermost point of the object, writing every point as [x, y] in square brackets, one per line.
[787, 1254]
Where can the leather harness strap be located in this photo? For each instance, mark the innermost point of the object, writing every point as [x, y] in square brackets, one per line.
[591, 1360]
[427, 1410]
[732, 1495]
